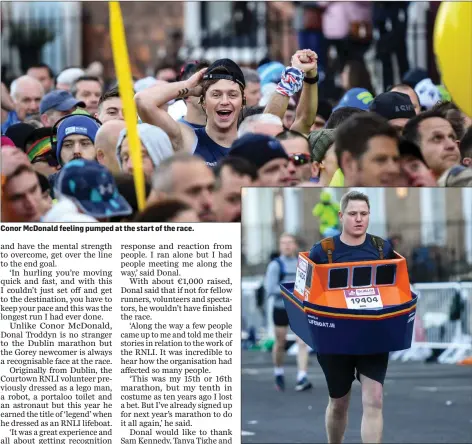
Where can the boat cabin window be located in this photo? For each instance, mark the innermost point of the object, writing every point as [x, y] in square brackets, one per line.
[361, 276]
[338, 278]
[386, 274]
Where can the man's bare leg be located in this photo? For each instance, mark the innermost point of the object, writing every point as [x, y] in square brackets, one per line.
[372, 404]
[336, 418]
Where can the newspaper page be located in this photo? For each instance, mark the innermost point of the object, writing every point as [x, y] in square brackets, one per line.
[120, 333]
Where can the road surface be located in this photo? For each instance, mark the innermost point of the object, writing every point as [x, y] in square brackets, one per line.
[423, 403]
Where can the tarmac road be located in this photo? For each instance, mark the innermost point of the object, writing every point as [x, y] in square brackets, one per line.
[423, 403]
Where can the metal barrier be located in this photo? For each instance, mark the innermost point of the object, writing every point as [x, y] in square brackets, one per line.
[434, 329]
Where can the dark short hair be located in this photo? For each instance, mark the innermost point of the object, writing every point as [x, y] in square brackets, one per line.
[338, 116]
[110, 94]
[454, 115]
[43, 182]
[354, 134]
[238, 165]
[42, 65]
[190, 68]
[73, 88]
[466, 144]
[164, 65]
[411, 130]
[162, 211]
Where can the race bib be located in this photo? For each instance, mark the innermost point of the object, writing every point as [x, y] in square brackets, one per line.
[363, 298]
[300, 278]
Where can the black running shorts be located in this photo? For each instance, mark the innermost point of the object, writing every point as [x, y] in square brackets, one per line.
[341, 370]
[280, 317]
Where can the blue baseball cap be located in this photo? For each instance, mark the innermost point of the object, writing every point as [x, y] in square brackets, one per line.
[356, 98]
[59, 100]
[270, 72]
[92, 188]
[75, 124]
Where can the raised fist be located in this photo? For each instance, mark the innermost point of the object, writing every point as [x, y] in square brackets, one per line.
[306, 60]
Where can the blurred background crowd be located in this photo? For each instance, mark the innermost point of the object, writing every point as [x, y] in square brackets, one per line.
[305, 94]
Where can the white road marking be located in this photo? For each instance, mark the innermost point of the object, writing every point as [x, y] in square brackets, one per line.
[244, 433]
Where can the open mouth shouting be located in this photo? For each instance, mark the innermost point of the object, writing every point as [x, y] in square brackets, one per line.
[225, 115]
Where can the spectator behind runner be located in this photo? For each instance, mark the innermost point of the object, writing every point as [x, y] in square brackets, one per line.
[92, 189]
[367, 151]
[435, 137]
[76, 138]
[395, 107]
[110, 106]
[266, 124]
[88, 89]
[252, 92]
[466, 148]
[221, 92]
[155, 147]
[21, 192]
[18, 133]
[40, 154]
[195, 115]
[232, 174]
[413, 166]
[297, 146]
[57, 104]
[410, 92]
[44, 74]
[46, 200]
[458, 120]
[168, 211]
[106, 141]
[283, 269]
[67, 77]
[340, 114]
[26, 93]
[323, 155]
[187, 178]
[269, 157]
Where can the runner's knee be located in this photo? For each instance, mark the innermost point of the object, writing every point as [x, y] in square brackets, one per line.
[339, 406]
[372, 398]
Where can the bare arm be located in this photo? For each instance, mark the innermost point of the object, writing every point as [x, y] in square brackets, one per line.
[149, 101]
[277, 105]
[6, 101]
[306, 61]
[307, 107]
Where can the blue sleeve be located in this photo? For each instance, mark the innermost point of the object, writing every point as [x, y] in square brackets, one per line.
[317, 254]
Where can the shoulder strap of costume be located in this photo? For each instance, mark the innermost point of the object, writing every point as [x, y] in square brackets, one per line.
[379, 244]
[328, 247]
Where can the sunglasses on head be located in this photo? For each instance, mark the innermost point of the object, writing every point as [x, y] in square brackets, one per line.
[50, 159]
[299, 159]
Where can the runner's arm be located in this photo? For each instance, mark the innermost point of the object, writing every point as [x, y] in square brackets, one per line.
[271, 280]
[149, 102]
